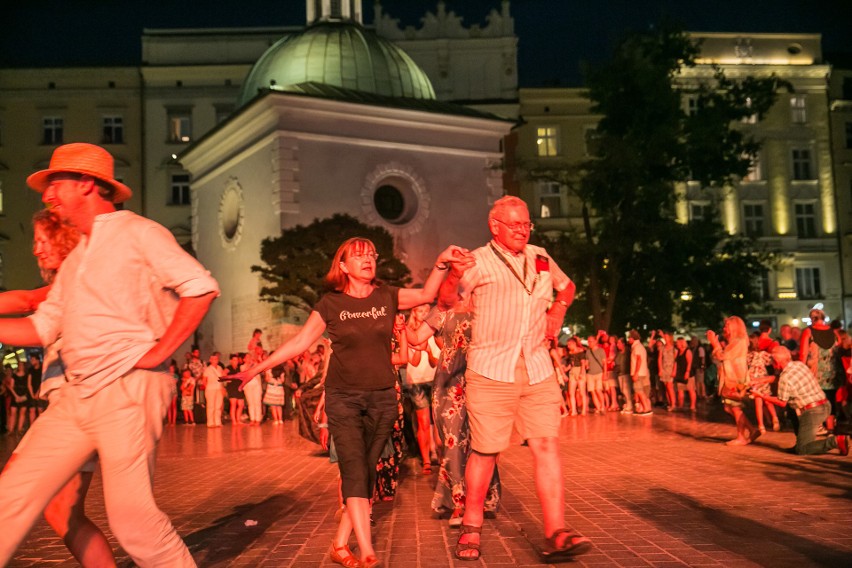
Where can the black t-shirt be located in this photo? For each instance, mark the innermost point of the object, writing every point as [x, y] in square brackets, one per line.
[360, 330]
[35, 378]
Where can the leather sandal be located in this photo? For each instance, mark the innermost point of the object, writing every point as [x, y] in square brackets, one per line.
[573, 545]
[371, 562]
[465, 546]
[343, 556]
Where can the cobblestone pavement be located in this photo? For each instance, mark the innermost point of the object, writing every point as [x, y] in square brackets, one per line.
[649, 491]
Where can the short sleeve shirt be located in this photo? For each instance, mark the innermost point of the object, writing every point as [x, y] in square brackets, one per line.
[640, 354]
[510, 297]
[597, 359]
[360, 330]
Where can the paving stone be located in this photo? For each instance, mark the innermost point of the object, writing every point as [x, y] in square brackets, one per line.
[663, 491]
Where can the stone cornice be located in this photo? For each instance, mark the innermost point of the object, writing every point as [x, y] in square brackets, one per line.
[791, 72]
[446, 25]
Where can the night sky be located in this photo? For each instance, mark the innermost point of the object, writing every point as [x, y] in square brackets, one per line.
[555, 36]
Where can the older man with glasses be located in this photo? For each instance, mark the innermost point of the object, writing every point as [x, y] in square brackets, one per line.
[511, 387]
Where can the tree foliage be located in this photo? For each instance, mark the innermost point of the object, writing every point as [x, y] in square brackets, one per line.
[634, 263]
[296, 262]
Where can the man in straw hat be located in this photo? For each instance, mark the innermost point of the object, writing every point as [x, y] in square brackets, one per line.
[122, 302]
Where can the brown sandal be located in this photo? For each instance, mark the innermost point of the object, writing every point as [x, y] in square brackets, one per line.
[573, 545]
[465, 546]
[343, 556]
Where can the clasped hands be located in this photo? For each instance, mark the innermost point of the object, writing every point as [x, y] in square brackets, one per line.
[459, 259]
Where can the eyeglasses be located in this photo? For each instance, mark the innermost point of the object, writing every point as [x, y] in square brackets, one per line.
[517, 227]
[364, 256]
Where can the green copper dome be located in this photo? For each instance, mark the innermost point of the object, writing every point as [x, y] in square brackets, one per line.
[340, 54]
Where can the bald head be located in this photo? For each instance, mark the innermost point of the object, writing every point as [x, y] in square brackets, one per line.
[781, 355]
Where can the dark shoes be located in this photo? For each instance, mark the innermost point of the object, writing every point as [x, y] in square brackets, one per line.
[572, 545]
[465, 546]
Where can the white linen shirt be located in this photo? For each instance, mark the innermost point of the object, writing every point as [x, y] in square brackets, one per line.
[212, 373]
[508, 321]
[640, 354]
[114, 297]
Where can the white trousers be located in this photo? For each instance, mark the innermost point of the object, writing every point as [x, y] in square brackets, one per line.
[214, 398]
[254, 399]
[122, 423]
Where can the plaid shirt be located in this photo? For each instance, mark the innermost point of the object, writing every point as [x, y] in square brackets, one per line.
[798, 386]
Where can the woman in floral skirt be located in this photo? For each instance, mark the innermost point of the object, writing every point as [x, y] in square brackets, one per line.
[387, 470]
[448, 406]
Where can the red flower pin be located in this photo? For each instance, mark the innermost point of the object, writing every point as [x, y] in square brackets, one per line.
[542, 264]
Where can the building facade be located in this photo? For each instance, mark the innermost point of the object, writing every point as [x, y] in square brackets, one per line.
[188, 83]
[42, 108]
[335, 119]
[788, 201]
[840, 101]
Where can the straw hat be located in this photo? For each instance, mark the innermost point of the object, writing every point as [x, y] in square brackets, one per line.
[81, 158]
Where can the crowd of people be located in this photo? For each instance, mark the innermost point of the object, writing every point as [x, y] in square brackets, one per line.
[743, 371]
[450, 375]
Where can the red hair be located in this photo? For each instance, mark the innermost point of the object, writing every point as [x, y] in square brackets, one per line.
[62, 235]
[336, 279]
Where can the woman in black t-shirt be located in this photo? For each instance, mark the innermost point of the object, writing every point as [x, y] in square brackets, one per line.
[358, 315]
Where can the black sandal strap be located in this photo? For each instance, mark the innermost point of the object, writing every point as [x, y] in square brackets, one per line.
[551, 540]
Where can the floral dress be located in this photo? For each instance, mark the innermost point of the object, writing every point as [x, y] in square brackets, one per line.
[819, 358]
[387, 470]
[450, 412]
[757, 363]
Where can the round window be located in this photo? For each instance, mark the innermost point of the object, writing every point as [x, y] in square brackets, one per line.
[389, 203]
[231, 214]
[395, 205]
[394, 196]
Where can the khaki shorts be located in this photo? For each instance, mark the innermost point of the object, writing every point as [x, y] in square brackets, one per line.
[688, 385]
[498, 410]
[595, 382]
[642, 384]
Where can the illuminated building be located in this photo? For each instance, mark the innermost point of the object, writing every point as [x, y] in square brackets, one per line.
[787, 202]
[335, 119]
[840, 100]
[188, 85]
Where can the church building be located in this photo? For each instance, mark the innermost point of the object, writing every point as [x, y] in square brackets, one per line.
[335, 119]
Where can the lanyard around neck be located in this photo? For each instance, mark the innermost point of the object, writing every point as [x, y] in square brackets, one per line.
[505, 261]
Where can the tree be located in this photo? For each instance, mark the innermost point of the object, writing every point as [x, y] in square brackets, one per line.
[634, 263]
[296, 262]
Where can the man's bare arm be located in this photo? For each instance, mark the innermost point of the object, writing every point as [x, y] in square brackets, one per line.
[556, 313]
[188, 316]
[20, 332]
[16, 302]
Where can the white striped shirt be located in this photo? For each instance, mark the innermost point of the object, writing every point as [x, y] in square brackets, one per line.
[507, 319]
